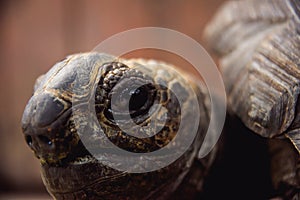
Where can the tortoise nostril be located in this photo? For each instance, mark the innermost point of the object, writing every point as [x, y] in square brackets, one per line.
[45, 140]
[28, 139]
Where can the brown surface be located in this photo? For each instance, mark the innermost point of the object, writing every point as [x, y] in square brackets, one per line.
[36, 34]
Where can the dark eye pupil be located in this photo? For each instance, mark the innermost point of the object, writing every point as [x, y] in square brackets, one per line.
[138, 99]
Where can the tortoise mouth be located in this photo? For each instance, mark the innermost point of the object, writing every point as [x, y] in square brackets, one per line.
[92, 177]
[77, 156]
[76, 175]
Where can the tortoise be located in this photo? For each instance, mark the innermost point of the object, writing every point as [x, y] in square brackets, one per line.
[76, 112]
[258, 43]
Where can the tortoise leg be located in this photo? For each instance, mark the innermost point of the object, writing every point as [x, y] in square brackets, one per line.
[285, 171]
[258, 46]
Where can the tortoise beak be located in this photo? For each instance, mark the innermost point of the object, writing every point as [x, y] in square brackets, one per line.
[44, 125]
[42, 110]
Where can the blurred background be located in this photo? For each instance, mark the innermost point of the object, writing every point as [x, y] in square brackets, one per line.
[36, 34]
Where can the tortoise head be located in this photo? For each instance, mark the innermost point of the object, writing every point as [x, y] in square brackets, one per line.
[46, 123]
[91, 109]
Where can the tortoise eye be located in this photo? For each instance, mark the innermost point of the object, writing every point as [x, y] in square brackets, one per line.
[139, 98]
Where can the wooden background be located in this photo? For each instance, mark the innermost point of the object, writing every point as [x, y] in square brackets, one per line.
[35, 34]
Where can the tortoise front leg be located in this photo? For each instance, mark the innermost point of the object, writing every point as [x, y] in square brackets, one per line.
[285, 163]
[258, 43]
